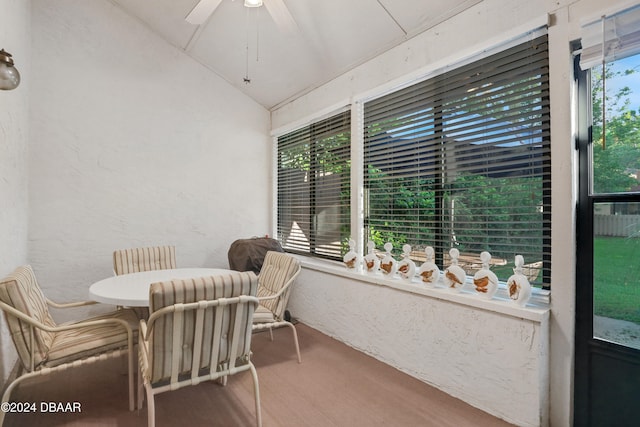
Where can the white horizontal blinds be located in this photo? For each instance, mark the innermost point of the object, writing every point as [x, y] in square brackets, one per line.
[463, 160]
[314, 187]
[619, 34]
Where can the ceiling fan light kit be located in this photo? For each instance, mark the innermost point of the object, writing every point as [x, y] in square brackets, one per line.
[252, 3]
[204, 8]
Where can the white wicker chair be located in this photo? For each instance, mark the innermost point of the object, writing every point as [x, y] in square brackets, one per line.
[216, 313]
[45, 347]
[277, 276]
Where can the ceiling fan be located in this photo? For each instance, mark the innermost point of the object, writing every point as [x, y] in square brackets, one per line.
[276, 8]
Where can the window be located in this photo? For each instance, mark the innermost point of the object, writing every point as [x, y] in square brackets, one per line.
[609, 204]
[463, 160]
[314, 187]
[460, 160]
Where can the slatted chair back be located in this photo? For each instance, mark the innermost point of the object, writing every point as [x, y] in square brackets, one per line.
[276, 278]
[21, 291]
[45, 347]
[198, 330]
[200, 324]
[134, 260]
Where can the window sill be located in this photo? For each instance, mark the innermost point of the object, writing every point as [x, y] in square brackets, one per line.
[536, 310]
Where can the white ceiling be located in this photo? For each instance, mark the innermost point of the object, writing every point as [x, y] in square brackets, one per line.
[332, 37]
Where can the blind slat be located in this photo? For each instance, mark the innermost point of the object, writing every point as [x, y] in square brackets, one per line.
[313, 187]
[621, 38]
[464, 159]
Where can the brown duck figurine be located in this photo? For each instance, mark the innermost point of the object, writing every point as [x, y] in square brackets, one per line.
[481, 284]
[453, 278]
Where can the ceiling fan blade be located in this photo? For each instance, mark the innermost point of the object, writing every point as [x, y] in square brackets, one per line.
[281, 15]
[202, 11]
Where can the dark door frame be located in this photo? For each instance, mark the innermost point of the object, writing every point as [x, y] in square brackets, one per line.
[606, 375]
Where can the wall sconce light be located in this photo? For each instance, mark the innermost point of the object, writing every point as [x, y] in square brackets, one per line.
[9, 76]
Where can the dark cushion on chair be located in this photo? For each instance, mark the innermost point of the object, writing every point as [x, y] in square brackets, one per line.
[249, 254]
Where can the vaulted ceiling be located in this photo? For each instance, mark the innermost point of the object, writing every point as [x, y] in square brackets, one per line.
[274, 63]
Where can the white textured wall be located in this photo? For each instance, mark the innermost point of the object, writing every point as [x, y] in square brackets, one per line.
[14, 135]
[496, 362]
[134, 144]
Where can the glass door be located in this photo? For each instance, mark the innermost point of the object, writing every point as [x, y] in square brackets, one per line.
[607, 363]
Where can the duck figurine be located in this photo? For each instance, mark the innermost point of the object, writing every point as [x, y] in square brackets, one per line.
[371, 260]
[429, 271]
[352, 259]
[485, 280]
[454, 275]
[407, 268]
[518, 285]
[388, 265]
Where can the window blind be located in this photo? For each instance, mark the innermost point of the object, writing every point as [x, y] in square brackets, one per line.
[463, 160]
[314, 187]
[618, 35]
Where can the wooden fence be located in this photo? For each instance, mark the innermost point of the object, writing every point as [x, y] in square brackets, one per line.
[617, 225]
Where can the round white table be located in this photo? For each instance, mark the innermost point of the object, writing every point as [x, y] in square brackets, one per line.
[132, 290]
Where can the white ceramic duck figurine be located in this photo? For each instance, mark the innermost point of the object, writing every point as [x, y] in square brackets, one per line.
[518, 285]
[454, 275]
[388, 265]
[485, 280]
[352, 259]
[371, 261]
[407, 268]
[429, 271]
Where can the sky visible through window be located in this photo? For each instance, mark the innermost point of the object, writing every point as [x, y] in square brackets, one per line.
[616, 163]
[631, 80]
[616, 169]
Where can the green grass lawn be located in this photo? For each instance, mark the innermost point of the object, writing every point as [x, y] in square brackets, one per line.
[616, 270]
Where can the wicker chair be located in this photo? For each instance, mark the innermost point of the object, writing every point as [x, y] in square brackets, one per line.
[277, 276]
[44, 347]
[134, 260]
[216, 313]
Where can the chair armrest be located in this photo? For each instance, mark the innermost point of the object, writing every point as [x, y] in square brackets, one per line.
[69, 304]
[282, 289]
[65, 327]
[142, 331]
[143, 354]
[79, 325]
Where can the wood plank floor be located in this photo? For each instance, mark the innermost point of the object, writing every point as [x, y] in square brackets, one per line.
[334, 386]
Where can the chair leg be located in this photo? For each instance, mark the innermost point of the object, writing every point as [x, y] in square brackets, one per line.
[295, 340]
[130, 375]
[5, 399]
[140, 387]
[271, 332]
[10, 387]
[151, 407]
[256, 393]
